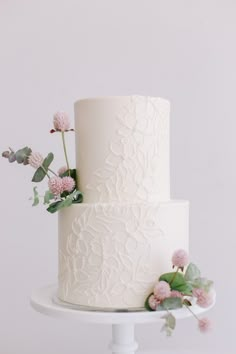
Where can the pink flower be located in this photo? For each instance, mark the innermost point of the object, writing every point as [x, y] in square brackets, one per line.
[55, 185]
[176, 293]
[68, 183]
[162, 290]
[153, 302]
[62, 170]
[204, 325]
[61, 121]
[197, 292]
[204, 299]
[180, 258]
[35, 160]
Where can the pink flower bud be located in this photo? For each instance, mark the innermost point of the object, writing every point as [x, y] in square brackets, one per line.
[62, 170]
[180, 258]
[35, 160]
[162, 290]
[176, 293]
[204, 299]
[55, 185]
[153, 302]
[68, 184]
[204, 325]
[61, 121]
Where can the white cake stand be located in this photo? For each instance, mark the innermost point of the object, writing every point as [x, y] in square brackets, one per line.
[44, 301]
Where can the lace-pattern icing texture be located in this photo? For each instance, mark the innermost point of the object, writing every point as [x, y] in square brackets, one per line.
[111, 255]
[134, 154]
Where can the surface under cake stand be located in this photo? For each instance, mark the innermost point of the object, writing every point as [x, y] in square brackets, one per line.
[44, 300]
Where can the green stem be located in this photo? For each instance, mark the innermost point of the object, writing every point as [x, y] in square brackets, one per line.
[52, 171]
[191, 312]
[65, 152]
[174, 276]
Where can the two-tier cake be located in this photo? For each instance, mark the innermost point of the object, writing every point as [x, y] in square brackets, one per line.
[114, 246]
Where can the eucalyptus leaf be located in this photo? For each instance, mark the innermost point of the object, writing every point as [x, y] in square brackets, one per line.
[74, 197]
[54, 207]
[203, 283]
[170, 320]
[166, 329]
[12, 157]
[169, 325]
[39, 175]
[78, 197]
[177, 282]
[36, 197]
[61, 204]
[42, 171]
[170, 303]
[48, 160]
[48, 196]
[192, 272]
[21, 154]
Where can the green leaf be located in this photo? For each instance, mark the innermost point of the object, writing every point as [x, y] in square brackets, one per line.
[74, 197]
[78, 197]
[41, 172]
[48, 160]
[54, 207]
[36, 197]
[48, 196]
[192, 272]
[12, 157]
[170, 303]
[39, 175]
[22, 154]
[203, 283]
[179, 283]
[170, 320]
[146, 304]
[169, 325]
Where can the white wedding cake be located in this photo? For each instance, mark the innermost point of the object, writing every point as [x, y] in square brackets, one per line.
[114, 246]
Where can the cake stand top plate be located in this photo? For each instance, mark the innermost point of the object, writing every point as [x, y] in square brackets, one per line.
[42, 300]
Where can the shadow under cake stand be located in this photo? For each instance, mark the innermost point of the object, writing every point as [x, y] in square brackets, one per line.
[45, 301]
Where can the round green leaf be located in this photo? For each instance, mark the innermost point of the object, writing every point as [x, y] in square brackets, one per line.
[177, 282]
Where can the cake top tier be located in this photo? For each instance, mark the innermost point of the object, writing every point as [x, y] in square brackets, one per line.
[122, 148]
[119, 97]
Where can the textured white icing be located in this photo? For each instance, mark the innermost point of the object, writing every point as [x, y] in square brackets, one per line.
[122, 149]
[111, 255]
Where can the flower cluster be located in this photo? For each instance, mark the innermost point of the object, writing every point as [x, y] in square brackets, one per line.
[57, 185]
[175, 290]
[62, 189]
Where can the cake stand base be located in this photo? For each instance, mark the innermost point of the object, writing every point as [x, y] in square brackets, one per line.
[123, 323]
[123, 341]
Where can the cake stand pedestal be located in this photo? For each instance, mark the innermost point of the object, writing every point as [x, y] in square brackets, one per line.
[123, 342]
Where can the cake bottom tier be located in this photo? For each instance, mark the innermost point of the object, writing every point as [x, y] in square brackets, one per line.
[110, 256]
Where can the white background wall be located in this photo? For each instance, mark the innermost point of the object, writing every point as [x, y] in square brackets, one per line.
[53, 52]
